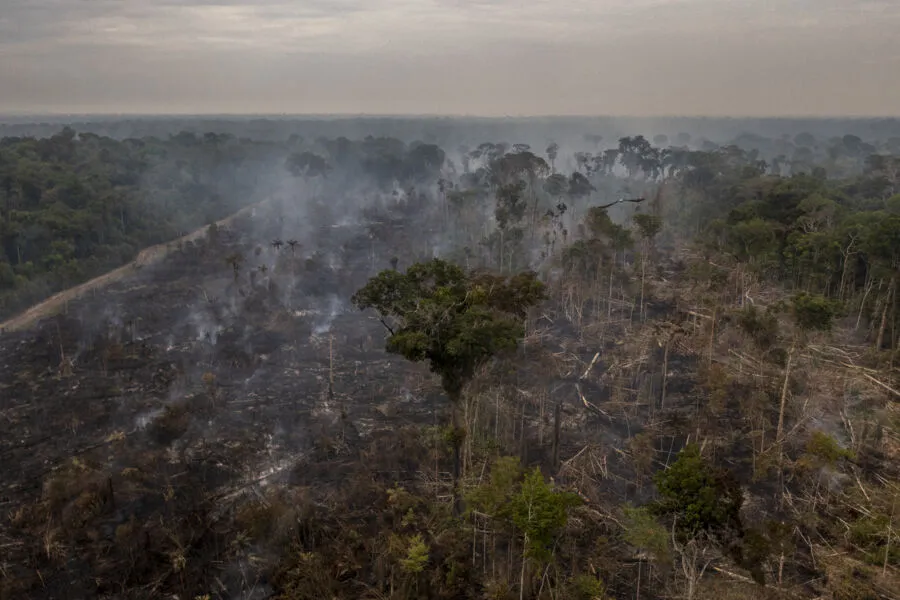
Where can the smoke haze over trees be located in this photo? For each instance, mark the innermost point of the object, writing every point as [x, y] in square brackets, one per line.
[437, 358]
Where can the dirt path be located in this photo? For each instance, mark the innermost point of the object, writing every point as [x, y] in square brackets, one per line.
[148, 256]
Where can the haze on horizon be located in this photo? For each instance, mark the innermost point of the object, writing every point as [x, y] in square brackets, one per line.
[472, 57]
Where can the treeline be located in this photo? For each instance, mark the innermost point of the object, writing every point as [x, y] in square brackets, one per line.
[73, 206]
[838, 238]
[711, 300]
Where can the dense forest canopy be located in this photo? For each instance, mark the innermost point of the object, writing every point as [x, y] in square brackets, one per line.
[75, 205]
[669, 362]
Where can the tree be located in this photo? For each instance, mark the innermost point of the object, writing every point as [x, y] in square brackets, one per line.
[509, 213]
[646, 534]
[704, 505]
[648, 226]
[812, 312]
[638, 155]
[235, 260]
[698, 497]
[437, 313]
[552, 153]
[579, 186]
[307, 165]
[423, 162]
[540, 513]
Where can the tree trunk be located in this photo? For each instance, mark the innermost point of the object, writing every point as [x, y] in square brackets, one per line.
[845, 271]
[459, 432]
[612, 268]
[643, 271]
[523, 449]
[870, 283]
[784, 393]
[522, 571]
[638, 593]
[884, 313]
[665, 373]
[557, 411]
[712, 333]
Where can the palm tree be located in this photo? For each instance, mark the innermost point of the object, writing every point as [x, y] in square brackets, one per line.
[277, 244]
[293, 244]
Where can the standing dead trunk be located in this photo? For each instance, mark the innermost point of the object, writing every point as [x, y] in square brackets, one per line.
[638, 593]
[522, 571]
[643, 274]
[612, 268]
[870, 283]
[784, 394]
[459, 434]
[665, 373]
[523, 449]
[884, 313]
[557, 410]
[846, 254]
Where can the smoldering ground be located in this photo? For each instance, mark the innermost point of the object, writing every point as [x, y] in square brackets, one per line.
[234, 363]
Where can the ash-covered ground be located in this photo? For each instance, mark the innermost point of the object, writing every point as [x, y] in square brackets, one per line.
[232, 364]
[133, 425]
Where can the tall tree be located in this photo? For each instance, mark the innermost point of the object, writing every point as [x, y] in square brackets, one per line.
[437, 313]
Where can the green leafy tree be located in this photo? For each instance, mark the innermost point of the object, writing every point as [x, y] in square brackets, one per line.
[644, 532]
[416, 556]
[699, 497]
[491, 498]
[308, 165]
[540, 513]
[812, 312]
[437, 313]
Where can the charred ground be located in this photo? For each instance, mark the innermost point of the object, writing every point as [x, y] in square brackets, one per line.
[222, 423]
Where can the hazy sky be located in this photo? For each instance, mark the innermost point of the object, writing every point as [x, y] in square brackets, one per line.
[489, 57]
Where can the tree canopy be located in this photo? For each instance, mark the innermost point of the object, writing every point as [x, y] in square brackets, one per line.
[453, 320]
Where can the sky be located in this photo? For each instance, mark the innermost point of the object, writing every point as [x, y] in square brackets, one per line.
[455, 57]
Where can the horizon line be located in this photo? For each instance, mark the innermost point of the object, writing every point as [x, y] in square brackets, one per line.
[363, 115]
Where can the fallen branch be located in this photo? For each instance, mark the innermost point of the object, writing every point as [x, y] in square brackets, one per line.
[590, 366]
[590, 405]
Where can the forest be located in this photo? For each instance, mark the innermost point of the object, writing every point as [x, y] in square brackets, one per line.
[582, 367]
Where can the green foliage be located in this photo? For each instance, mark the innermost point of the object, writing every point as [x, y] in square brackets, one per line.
[870, 533]
[74, 206]
[756, 549]
[416, 556]
[761, 326]
[753, 239]
[698, 496]
[648, 225]
[492, 497]
[587, 587]
[511, 205]
[453, 320]
[825, 448]
[540, 512]
[643, 531]
[813, 312]
[307, 164]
